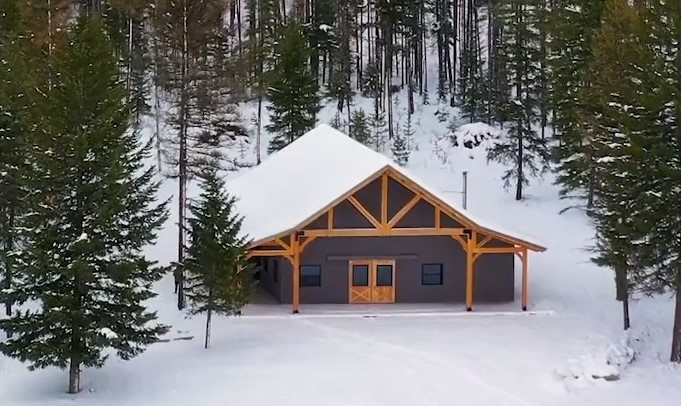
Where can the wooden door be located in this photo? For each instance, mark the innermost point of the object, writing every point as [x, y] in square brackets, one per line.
[383, 281]
[372, 281]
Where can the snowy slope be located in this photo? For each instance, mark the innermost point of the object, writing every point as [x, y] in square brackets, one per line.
[430, 355]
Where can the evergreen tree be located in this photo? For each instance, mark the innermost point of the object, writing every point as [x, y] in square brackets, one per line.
[409, 134]
[400, 148]
[655, 157]
[359, 127]
[219, 278]
[196, 76]
[572, 25]
[15, 88]
[523, 150]
[293, 91]
[379, 130]
[92, 211]
[617, 50]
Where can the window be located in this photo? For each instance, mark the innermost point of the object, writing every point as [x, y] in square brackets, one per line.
[310, 275]
[360, 275]
[384, 275]
[431, 274]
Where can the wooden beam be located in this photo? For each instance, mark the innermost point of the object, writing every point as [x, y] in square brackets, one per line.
[461, 241]
[295, 245]
[329, 219]
[524, 258]
[307, 242]
[429, 197]
[282, 243]
[470, 261]
[403, 212]
[372, 232]
[438, 217]
[268, 253]
[485, 241]
[364, 212]
[384, 200]
[499, 250]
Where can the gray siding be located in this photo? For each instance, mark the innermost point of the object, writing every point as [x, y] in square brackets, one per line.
[494, 271]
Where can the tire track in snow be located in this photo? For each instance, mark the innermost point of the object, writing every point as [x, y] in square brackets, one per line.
[416, 357]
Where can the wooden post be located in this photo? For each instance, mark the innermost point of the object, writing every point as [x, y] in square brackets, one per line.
[384, 201]
[524, 257]
[470, 261]
[295, 246]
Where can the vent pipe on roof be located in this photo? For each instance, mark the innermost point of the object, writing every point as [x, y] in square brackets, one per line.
[465, 188]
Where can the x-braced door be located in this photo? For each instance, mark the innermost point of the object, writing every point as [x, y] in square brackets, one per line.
[372, 281]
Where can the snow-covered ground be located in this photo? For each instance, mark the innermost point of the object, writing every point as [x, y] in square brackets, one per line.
[406, 355]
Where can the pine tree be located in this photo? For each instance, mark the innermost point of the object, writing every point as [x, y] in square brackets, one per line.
[572, 25]
[359, 127]
[15, 88]
[523, 150]
[219, 278]
[657, 147]
[92, 210]
[379, 130]
[293, 91]
[400, 148]
[616, 190]
[198, 86]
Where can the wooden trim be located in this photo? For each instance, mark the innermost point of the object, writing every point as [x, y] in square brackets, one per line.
[307, 242]
[441, 207]
[435, 201]
[268, 253]
[296, 273]
[483, 242]
[470, 261]
[404, 211]
[372, 232]
[500, 250]
[524, 290]
[384, 200]
[364, 212]
[461, 241]
[428, 197]
[283, 244]
[367, 257]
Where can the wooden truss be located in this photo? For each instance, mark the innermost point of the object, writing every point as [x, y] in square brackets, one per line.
[292, 245]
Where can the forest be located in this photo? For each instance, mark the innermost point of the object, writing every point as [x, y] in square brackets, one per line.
[587, 89]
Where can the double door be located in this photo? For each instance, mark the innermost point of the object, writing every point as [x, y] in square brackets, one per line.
[372, 281]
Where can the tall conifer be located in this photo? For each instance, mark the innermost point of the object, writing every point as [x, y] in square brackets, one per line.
[93, 210]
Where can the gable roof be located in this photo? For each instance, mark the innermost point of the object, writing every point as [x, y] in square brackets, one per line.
[298, 183]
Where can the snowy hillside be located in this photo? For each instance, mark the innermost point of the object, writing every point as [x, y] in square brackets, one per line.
[402, 354]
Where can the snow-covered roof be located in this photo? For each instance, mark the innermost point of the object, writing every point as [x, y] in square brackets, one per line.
[296, 184]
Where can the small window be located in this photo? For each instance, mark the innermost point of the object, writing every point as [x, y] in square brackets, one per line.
[310, 275]
[431, 274]
[360, 275]
[384, 275]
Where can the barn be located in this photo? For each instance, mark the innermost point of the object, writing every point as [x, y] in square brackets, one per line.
[358, 228]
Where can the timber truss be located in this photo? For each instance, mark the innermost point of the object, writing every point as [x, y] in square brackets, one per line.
[472, 238]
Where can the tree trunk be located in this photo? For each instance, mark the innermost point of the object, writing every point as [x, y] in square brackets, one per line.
[209, 314]
[622, 287]
[9, 260]
[676, 333]
[183, 157]
[74, 375]
[625, 313]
